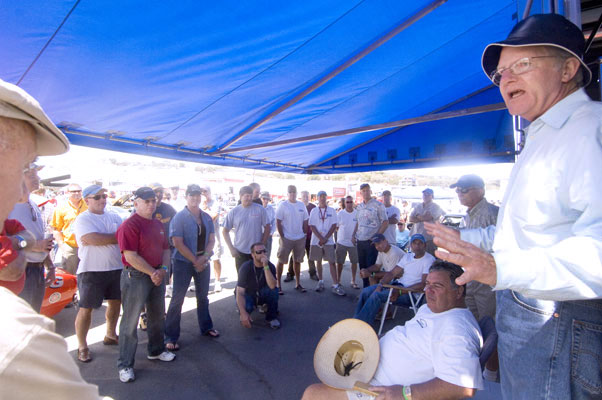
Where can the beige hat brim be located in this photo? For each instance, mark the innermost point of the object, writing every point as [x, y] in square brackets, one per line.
[17, 104]
[326, 353]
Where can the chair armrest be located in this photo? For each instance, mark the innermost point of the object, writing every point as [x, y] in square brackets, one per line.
[401, 288]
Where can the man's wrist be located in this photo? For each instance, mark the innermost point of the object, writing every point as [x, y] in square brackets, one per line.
[266, 267]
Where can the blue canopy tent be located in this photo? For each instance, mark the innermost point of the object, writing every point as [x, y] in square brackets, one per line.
[308, 87]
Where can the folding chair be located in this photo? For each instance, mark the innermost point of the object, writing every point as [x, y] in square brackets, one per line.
[414, 307]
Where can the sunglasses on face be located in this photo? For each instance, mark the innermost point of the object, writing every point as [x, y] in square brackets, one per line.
[349, 202]
[261, 251]
[98, 196]
[463, 190]
[75, 191]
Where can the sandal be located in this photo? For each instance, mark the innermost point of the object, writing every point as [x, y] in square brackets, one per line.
[107, 341]
[212, 333]
[83, 355]
[170, 346]
[300, 288]
[354, 285]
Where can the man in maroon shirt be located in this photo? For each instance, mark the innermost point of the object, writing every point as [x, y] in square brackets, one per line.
[145, 255]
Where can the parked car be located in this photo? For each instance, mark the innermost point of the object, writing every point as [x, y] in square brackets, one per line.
[452, 220]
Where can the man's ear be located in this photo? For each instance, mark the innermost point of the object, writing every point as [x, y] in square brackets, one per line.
[461, 291]
[569, 69]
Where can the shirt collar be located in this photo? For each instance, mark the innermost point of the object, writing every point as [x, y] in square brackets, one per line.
[560, 112]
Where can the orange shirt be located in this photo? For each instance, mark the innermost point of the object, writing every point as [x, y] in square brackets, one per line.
[63, 218]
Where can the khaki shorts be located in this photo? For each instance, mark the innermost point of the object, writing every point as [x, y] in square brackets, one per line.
[69, 260]
[342, 251]
[317, 253]
[286, 246]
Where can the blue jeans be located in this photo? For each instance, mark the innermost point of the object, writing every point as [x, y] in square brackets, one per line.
[35, 287]
[371, 300]
[265, 296]
[183, 272]
[547, 349]
[137, 290]
[367, 255]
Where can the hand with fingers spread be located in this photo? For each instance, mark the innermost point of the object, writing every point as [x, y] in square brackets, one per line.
[478, 264]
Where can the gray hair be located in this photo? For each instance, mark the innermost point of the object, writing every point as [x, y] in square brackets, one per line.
[454, 271]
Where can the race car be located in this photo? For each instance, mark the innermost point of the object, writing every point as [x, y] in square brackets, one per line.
[61, 293]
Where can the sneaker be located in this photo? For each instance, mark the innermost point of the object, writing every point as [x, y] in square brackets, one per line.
[338, 290]
[275, 324]
[288, 278]
[263, 308]
[191, 288]
[320, 286]
[168, 290]
[165, 356]
[492, 376]
[126, 375]
[218, 287]
[143, 323]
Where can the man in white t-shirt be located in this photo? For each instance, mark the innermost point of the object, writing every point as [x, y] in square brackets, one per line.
[100, 266]
[323, 223]
[412, 268]
[393, 214]
[427, 211]
[388, 257]
[435, 355]
[291, 222]
[347, 224]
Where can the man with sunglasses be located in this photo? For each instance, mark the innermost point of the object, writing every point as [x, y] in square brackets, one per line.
[62, 221]
[99, 272]
[480, 298]
[145, 255]
[257, 286]
[544, 255]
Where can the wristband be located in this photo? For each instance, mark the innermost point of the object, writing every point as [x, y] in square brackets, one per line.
[266, 267]
[164, 267]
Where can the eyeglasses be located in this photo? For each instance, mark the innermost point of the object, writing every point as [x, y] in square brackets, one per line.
[98, 196]
[264, 251]
[463, 190]
[75, 191]
[519, 67]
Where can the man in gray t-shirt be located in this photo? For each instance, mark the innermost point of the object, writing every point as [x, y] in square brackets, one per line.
[250, 224]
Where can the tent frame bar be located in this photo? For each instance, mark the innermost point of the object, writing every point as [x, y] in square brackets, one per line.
[358, 56]
[376, 127]
[457, 101]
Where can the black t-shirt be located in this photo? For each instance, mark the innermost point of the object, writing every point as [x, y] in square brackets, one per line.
[164, 213]
[252, 278]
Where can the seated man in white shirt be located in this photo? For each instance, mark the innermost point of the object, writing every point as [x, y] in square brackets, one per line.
[435, 355]
[388, 257]
[412, 268]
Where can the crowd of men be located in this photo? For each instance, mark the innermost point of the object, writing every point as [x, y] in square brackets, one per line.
[541, 255]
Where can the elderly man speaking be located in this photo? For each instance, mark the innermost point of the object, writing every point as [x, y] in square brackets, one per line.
[547, 251]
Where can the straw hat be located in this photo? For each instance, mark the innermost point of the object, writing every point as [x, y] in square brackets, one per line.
[348, 352]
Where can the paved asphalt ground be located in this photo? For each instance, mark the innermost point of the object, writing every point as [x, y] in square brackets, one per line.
[249, 364]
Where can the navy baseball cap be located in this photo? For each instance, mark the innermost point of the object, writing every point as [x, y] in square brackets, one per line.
[144, 193]
[193, 189]
[321, 192]
[377, 238]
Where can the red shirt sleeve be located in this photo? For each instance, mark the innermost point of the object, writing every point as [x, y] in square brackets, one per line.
[9, 254]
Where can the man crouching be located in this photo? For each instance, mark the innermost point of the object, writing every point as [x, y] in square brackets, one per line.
[435, 355]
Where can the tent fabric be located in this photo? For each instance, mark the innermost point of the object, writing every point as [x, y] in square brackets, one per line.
[211, 81]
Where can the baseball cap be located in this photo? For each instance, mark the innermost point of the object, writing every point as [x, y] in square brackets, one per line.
[16, 103]
[387, 193]
[417, 236]
[468, 181]
[265, 195]
[540, 30]
[144, 193]
[321, 192]
[193, 189]
[377, 238]
[156, 186]
[428, 191]
[92, 190]
[364, 185]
